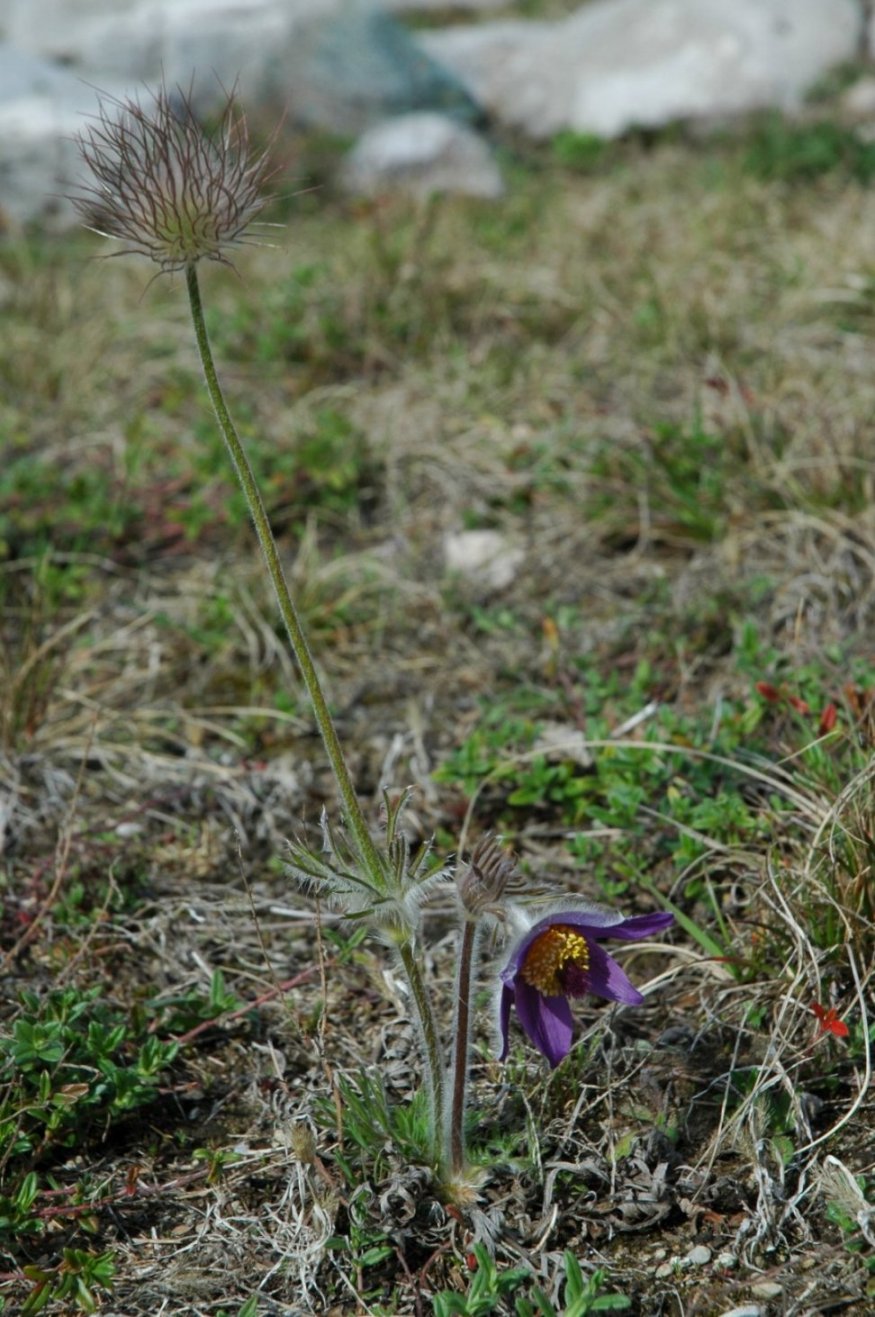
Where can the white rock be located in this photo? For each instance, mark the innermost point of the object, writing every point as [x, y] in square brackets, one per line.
[767, 1289]
[42, 107]
[484, 557]
[130, 38]
[621, 63]
[128, 829]
[338, 64]
[699, 1256]
[421, 154]
[746, 1310]
[515, 70]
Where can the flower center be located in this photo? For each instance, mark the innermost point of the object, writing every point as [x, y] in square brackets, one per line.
[546, 959]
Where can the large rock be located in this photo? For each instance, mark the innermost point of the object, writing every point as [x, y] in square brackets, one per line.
[333, 64]
[354, 68]
[42, 107]
[616, 64]
[126, 37]
[421, 154]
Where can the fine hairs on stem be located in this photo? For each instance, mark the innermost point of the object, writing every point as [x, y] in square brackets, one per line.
[480, 888]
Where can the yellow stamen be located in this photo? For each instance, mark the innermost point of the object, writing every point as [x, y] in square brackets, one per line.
[558, 946]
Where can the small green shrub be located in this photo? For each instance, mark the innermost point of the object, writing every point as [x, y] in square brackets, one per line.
[492, 1289]
[71, 1063]
[799, 152]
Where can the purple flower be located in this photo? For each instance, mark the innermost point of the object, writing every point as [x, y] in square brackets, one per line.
[560, 957]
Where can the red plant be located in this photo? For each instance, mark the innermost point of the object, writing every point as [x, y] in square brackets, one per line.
[828, 719]
[828, 1021]
[781, 695]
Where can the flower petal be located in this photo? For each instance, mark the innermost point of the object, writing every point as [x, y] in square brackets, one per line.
[638, 926]
[547, 1021]
[505, 1002]
[606, 979]
[581, 915]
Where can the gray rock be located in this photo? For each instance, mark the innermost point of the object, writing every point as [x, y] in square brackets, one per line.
[699, 1256]
[348, 71]
[222, 42]
[421, 154]
[42, 106]
[335, 64]
[616, 64]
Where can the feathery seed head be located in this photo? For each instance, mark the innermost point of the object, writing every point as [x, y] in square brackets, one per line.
[163, 185]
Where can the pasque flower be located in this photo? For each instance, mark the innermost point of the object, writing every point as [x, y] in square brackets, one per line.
[560, 957]
[164, 186]
[181, 194]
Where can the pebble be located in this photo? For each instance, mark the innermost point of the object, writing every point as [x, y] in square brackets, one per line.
[746, 1310]
[484, 556]
[698, 1256]
[128, 829]
[767, 1289]
[727, 1261]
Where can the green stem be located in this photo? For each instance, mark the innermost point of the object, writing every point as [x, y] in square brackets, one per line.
[432, 1050]
[355, 817]
[297, 639]
[461, 1032]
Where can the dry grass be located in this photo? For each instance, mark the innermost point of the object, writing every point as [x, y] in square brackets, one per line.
[542, 368]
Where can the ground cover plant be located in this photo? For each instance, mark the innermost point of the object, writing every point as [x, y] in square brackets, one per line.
[650, 370]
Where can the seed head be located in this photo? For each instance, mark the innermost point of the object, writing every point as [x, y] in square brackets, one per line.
[163, 185]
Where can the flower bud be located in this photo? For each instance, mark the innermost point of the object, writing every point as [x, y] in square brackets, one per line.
[482, 883]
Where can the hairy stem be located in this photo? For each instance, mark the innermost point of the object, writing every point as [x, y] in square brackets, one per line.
[353, 810]
[367, 849]
[431, 1045]
[461, 1035]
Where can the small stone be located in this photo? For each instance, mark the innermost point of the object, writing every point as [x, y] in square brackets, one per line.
[664, 1270]
[727, 1261]
[422, 154]
[746, 1310]
[699, 1256]
[128, 829]
[767, 1289]
[484, 557]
